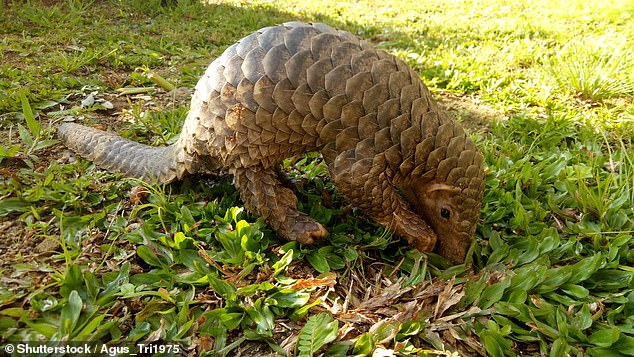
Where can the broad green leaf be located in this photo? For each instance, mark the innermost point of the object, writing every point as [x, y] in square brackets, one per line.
[318, 262]
[303, 311]
[620, 200]
[73, 282]
[214, 326]
[562, 323]
[494, 339]
[92, 287]
[114, 286]
[385, 330]
[410, 328]
[554, 278]
[335, 262]
[583, 318]
[252, 289]
[43, 144]
[319, 330]
[6, 323]
[233, 253]
[14, 312]
[473, 289]
[526, 277]
[46, 329]
[576, 291]
[625, 345]
[33, 124]
[517, 296]
[564, 300]
[152, 308]
[530, 251]
[559, 347]
[149, 256]
[364, 345]
[263, 318]
[418, 272]
[13, 204]
[284, 261]
[602, 352]
[511, 327]
[234, 212]
[552, 171]
[493, 293]
[186, 216]
[493, 345]
[25, 136]
[70, 314]
[90, 327]
[155, 278]
[231, 320]
[338, 349]
[181, 241]
[141, 329]
[288, 298]
[549, 242]
[605, 337]
[221, 287]
[183, 328]
[583, 269]
[9, 152]
[610, 279]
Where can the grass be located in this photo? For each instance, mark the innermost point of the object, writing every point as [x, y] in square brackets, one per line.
[90, 256]
[595, 69]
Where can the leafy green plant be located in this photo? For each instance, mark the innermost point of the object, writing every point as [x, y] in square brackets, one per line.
[8, 152]
[32, 137]
[319, 330]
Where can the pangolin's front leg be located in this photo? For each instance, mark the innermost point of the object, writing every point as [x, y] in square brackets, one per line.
[264, 195]
[366, 182]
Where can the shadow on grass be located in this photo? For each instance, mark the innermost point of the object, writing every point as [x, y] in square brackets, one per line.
[70, 45]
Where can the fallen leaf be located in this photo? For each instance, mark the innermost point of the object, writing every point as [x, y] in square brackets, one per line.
[329, 279]
[450, 296]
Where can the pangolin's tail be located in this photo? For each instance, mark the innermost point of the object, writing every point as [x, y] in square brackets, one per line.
[114, 153]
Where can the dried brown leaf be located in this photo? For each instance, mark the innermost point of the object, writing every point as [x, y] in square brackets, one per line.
[329, 279]
[409, 311]
[389, 295]
[357, 317]
[348, 331]
[381, 351]
[450, 296]
[472, 310]
[433, 290]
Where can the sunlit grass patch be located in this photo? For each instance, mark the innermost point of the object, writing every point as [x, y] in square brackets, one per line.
[595, 68]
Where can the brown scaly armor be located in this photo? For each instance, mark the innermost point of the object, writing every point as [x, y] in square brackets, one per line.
[290, 89]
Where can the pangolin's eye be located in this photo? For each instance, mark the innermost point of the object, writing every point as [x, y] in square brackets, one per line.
[444, 213]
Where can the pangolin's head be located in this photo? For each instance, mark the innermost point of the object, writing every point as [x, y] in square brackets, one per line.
[452, 213]
[446, 190]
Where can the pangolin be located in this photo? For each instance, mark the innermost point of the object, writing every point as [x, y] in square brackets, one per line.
[300, 87]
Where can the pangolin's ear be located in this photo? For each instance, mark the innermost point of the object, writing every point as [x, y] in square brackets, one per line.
[441, 187]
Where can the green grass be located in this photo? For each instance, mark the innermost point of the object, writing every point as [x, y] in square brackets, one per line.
[595, 69]
[184, 267]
